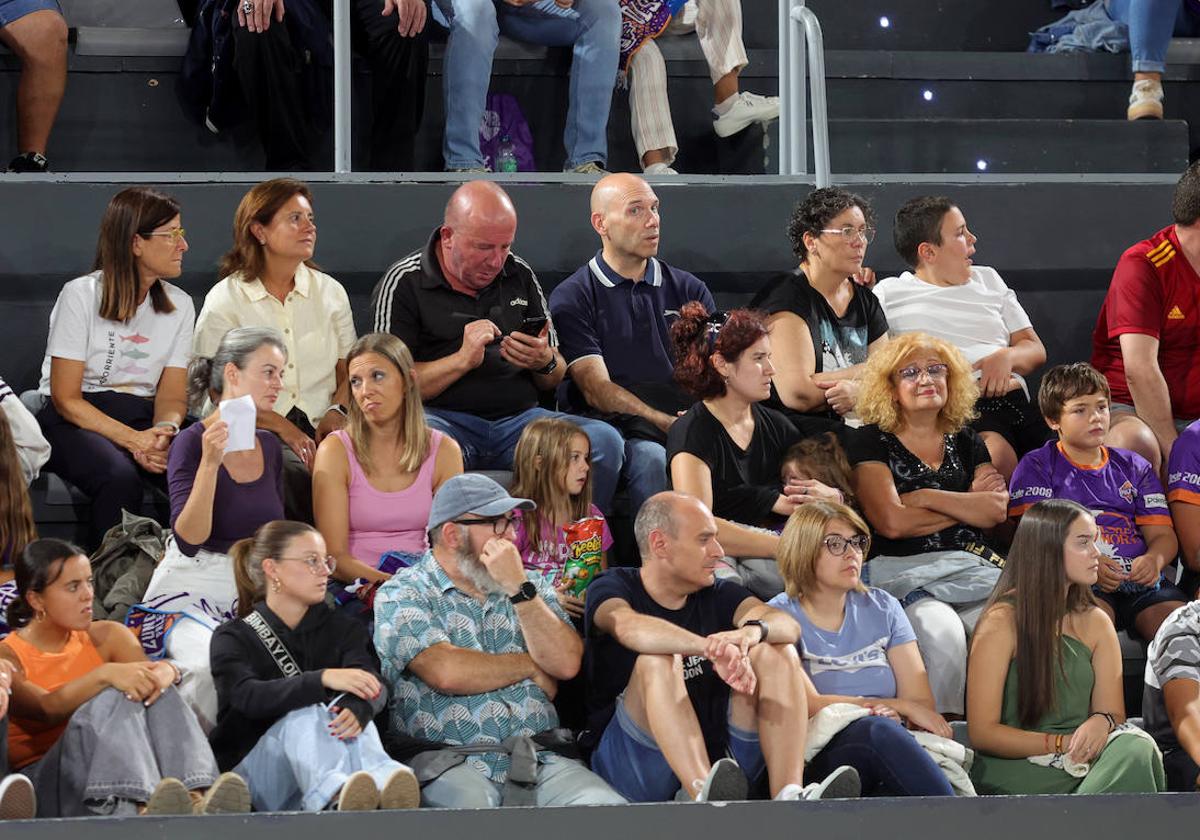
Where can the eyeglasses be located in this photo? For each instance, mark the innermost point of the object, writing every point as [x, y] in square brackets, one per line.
[317, 564]
[853, 234]
[837, 544]
[176, 234]
[500, 524]
[912, 373]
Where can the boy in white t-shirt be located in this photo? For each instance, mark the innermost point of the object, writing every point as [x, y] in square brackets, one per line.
[947, 296]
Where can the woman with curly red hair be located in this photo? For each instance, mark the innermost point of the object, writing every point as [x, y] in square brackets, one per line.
[726, 450]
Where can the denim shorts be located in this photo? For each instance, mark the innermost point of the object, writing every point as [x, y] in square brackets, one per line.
[13, 10]
[629, 759]
[1127, 605]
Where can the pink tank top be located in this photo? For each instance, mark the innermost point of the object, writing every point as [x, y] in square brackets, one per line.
[381, 522]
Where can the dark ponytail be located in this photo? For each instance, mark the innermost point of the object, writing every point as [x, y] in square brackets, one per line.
[35, 568]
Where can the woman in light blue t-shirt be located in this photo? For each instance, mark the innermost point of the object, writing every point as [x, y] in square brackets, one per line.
[857, 646]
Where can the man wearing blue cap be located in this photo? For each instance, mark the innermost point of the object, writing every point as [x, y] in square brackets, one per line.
[473, 648]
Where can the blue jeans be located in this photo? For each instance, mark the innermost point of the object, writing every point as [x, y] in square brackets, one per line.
[592, 26]
[489, 444]
[888, 759]
[645, 471]
[560, 781]
[1151, 24]
[297, 765]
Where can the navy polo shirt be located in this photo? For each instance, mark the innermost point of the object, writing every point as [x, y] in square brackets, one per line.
[414, 301]
[597, 312]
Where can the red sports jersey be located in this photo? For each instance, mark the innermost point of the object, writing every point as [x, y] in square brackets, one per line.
[1154, 291]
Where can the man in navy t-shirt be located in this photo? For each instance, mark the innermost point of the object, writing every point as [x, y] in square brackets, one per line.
[613, 318]
[679, 664]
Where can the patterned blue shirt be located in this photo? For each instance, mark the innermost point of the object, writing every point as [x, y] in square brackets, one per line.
[420, 607]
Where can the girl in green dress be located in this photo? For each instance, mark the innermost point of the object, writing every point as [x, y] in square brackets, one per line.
[1044, 675]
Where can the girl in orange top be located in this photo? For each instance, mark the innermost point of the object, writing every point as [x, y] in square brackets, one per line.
[133, 739]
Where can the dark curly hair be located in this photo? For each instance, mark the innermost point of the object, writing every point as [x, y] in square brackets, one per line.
[36, 567]
[816, 211]
[694, 347]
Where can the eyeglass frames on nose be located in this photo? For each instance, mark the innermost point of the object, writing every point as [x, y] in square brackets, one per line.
[499, 524]
[838, 544]
[853, 234]
[176, 234]
[316, 564]
[912, 373]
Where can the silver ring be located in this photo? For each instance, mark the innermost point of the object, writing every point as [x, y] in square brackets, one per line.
[247, 6]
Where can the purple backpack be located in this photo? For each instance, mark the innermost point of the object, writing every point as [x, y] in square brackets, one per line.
[502, 117]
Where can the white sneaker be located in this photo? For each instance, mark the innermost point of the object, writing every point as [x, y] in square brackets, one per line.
[790, 793]
[659, 169]
[842, 783]
[17, 799]
[1145, 101]
[747, 108]
[358, 793]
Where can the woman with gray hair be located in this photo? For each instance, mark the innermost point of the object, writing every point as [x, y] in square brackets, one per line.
[218, 496]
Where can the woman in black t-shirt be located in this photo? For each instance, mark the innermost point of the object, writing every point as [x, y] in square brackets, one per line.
[726, 450]
[929, 490]
[823, 323]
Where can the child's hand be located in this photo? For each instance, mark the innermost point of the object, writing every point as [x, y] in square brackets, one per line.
[571, 603]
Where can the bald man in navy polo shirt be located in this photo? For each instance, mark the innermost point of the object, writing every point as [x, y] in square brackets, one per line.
[613, 317]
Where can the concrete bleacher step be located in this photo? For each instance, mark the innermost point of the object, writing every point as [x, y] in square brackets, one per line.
[1007, 145]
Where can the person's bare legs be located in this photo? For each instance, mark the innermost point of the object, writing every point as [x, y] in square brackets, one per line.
[39, 39]
[1150, 619]
[1128, 431]
[656, 700]
[778, 710]
[726, 86]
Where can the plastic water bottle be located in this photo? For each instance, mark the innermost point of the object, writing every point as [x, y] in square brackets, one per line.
[506, 156]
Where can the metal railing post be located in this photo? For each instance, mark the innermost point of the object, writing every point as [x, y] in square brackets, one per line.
[341, 86]
[800, 38]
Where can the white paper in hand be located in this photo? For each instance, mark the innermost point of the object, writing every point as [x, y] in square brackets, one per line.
[240, 415]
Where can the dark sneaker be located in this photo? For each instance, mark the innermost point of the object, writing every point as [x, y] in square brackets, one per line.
[29, 162]
[725, 782]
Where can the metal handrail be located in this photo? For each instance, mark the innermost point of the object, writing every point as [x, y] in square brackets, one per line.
[341, 86]
[793, 152]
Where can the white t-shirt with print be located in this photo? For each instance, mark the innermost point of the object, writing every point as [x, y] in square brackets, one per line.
[129, 356]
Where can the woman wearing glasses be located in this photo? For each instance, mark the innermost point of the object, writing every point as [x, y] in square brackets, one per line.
[298, 685]
[823, 323]
[927, 486]
[858, 647]
[726, 450]
[269, 280]
[222, 490]
[116, 360]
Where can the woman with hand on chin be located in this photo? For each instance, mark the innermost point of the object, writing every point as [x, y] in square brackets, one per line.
[99, 730]
[857, 646]
[1045, 675]
[296, 711]
[269, 280]
[217, 498]
[114, 374]
[373, 482]
[727, 448]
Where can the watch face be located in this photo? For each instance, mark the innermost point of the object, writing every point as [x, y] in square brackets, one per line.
[528, 590]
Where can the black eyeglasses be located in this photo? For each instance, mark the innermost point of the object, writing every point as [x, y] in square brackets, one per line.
[500, 524]
[837, 544]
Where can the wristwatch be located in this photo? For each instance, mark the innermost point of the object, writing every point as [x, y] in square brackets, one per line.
[761, 625]
[338, 407]
[549, 368]
[527, 592]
